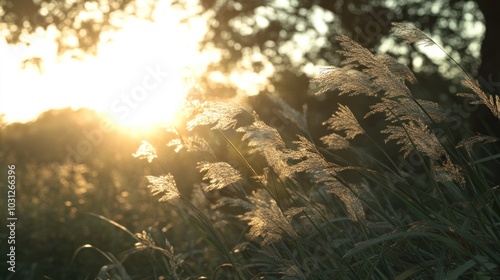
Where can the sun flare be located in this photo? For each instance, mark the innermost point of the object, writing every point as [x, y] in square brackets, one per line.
[137, 76]
[154, 88]
[141, 109]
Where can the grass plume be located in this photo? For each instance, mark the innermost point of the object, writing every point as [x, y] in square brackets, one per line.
[273, 207]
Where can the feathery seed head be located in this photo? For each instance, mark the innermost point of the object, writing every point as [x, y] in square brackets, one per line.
[266, 219]
[164, 184]
[335, 142]
[381, 75]
[220, 174]
[345, 121]
[146, 151]
[400, 70]
[191, 144]
[266, 141]
[407, 109]
[415, 135]
[410, 34]
[469, 142]
[492, 102]
[449, 171]
[349, 82]
[351, 201]
[217, 114]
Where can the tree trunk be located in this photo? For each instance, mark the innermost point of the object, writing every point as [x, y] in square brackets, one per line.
[489, 71]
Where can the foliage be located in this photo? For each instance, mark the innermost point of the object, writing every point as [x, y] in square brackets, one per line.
[257, 36]
[249, 200]
[55, 195]
[267, 37]
[292, 209]
[80, 24]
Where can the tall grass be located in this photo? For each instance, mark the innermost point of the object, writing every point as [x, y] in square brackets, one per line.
[272, 207]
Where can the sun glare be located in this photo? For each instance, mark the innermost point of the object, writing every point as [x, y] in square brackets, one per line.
[137, 76]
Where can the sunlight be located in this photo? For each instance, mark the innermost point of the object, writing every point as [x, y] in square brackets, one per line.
[137, 76]
[154, 80]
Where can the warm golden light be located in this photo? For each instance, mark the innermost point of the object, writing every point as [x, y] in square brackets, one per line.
[153, 89]
[136, 77]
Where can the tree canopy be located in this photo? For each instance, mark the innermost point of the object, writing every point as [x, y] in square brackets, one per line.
[280, 39]
[299, 33]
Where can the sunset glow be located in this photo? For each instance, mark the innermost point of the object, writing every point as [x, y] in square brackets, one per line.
[137, 77]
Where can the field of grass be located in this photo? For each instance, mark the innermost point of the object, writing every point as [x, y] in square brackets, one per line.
[402, 191]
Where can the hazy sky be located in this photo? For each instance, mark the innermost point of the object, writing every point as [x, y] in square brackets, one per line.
[136, 77]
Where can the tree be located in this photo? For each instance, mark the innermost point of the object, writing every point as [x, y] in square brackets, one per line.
[283, 32]
[281, 36]
[490, 51]
[80, 24]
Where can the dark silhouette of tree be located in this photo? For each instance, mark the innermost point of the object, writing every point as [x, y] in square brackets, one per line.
[490, 48]
[281, 32]
[80, 23]
[283, 35]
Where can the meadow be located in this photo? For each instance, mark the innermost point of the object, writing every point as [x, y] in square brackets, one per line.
[399, 187]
